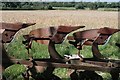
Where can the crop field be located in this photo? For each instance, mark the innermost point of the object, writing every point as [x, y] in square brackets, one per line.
[91, 19]
[45, 18]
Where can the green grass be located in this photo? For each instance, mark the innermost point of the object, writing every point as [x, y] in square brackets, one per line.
[108, 9]
[64, 8]
[14, 72]
[73, 8]
[17, 49]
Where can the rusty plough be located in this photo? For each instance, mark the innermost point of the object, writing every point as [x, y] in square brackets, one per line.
[56, 35]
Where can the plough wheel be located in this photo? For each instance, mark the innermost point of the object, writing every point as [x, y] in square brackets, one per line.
[85, 75]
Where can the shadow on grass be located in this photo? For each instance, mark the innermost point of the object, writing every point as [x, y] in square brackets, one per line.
[65, 79]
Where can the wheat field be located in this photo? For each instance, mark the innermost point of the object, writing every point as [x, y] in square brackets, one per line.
[46, 18]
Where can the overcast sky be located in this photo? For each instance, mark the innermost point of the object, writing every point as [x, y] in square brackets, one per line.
[61, 0]
[86, 0]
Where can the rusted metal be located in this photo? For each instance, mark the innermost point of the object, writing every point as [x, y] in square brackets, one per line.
[56, 35]
[52, 35]
[42, 35]
[103, 62]
[88, 65]
[62, 31]
[93, 37]
[10, 29]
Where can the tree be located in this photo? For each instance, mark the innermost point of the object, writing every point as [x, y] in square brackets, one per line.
[79, 6]
[100, 4]
[49, 7]
[93, 6]
[114, 5]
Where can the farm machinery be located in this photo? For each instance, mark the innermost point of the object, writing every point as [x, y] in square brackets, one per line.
[56, 35]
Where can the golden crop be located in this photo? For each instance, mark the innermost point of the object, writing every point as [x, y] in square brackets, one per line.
[46, 18]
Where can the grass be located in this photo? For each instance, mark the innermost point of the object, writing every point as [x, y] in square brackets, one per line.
[14, 72]
[108, 9]
[73, 8]
[64, 8]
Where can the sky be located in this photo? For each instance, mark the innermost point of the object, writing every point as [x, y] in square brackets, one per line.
[62, 0]
[87, 0]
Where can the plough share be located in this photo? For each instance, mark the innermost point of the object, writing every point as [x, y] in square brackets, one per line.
[56, 35]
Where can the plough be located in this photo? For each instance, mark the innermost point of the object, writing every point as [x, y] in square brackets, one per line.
[56, 35]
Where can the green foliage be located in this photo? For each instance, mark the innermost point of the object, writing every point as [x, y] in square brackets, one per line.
[93, 6]
[65, 48]
[14, 72]
[79, 6]
[39, 50]
[108, 9]
[18, 50]
[50, 5]
[110, 50]
[62, 4]
[64, 8]
[62, 73]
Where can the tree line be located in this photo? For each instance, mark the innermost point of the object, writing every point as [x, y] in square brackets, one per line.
[51, 5]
